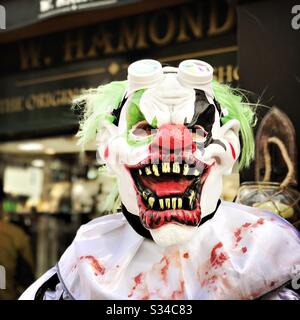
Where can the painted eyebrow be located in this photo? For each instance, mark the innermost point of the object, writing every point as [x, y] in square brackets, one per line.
[219, 142]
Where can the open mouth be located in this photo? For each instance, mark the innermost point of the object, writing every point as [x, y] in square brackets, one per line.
[169, 192]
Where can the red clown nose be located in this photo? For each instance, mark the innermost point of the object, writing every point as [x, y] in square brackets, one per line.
[173, 138]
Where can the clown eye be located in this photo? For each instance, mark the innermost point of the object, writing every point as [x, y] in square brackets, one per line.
[199, 133]
[142, 129]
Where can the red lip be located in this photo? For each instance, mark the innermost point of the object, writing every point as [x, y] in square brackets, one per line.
[169, 191]
[152, 219]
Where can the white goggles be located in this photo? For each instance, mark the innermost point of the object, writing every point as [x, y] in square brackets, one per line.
[148, 73]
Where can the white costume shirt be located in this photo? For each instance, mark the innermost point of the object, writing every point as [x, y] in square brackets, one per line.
[241, 253]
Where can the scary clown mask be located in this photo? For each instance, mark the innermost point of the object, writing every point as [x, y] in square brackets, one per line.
[169, 135]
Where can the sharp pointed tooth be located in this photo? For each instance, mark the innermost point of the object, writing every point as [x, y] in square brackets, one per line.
[168, 203]
[148, 171]
[140, 172]
[174, 200]
[145, 196]
[155, 169]
[179, 203]
[196, 172]
[191, 197]
[151, 202]
[186, 169]
[161, 203]
[176, 167]
[166, 167]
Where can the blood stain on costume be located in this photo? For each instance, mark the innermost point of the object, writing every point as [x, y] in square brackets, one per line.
[186, 255]
[246, 227]
[137, 282]
[232, 151]
[178, 294]
[138, 278]
[99, 269]
[164, 269]
[217, 259]
[244, 249]
[209, 281]
[237, 235]
[259, 222]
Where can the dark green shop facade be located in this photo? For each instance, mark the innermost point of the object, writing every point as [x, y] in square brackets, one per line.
[42, 73]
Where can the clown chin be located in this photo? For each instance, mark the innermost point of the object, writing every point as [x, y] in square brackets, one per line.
[172, 234]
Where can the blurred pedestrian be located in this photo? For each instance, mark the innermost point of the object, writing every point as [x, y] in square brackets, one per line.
[15, 257]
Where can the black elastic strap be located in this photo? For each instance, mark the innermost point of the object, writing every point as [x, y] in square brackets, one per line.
[50, 284]
[136, 223]
[117, 112]
[138, 227]
[209, 216]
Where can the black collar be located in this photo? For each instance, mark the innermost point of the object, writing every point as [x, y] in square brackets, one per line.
[137, 226]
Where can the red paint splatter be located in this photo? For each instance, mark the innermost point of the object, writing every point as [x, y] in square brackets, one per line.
[217, 259]
[138, 278]
[186, 255]
[232, 151]
[244, 249]
[255, 294]
[237, 235]
[246, 225]
[260, 221]
[209, 281]
[164, 269]
[238, 232]
[137, 282]
[106, 153]
[177, 294]
[99, 269]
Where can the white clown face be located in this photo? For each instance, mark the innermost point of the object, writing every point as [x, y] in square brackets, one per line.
[169, 149]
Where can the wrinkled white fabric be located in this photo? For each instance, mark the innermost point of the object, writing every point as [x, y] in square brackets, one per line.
[241, 253]
[282, 294]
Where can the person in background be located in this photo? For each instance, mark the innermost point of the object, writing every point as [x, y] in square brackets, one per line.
[15, 256]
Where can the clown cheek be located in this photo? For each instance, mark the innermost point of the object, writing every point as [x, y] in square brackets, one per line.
[127, 191]
[211, 190]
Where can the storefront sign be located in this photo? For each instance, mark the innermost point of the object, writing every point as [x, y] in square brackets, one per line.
[22, 13]
[43, 74]
[49, 8]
